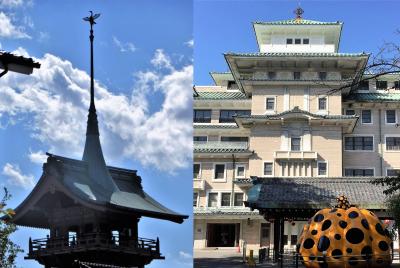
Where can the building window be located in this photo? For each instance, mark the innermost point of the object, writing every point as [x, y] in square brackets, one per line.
[225, 199]
[219, 171]
[226, 116]
[397, 85]
[271, 75]
[392, 172]
[358, 143]
[232, 85]
[202, 116]
[235, 139]
[363, 85]
[322, 103]
[322, 168]
[392, 143]
[381, 84]
[195, 196]
[350, 112]
[297, 41]
[295, 143]
[296, 75]
[358, 172]
[238, 202]
[200, 138]
[366, 117]
[391, 116]
[240, 171]
[322, 75]
[270, 104]
[212, 199]
[196, 170]
[306, 41]
[289, 41]
[267, 168]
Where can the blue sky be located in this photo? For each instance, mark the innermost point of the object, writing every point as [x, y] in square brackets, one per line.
[225, 26]
[143, 71]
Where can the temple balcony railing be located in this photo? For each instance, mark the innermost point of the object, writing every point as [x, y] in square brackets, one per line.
[296, 155]
[93, 240]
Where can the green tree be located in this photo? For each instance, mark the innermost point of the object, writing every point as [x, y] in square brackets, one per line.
[8, 249]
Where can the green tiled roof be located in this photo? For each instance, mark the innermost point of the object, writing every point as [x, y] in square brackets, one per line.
[373, 97]
[220, 147]
[215, 126]
[296, 54]
[212, 211]
[297, 22]
[237, 95]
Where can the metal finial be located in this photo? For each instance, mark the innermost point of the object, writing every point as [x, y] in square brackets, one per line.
[299, 12]
[91, 18]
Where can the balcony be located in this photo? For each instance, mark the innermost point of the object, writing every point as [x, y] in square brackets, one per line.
[199, 184]
[295, 155]
[95, 242]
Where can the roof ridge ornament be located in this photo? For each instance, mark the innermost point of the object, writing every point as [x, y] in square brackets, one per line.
[299, 12]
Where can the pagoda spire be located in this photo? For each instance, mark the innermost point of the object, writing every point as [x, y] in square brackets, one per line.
[93, 154]
[299, 13]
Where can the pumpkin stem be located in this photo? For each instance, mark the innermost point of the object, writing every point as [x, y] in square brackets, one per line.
[343, 202]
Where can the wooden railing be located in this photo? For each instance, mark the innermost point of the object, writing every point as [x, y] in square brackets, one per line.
[102, 240]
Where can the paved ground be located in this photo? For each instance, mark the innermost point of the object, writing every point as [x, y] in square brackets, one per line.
[230, 258]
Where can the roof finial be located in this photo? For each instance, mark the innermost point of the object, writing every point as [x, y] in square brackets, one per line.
[299, 12]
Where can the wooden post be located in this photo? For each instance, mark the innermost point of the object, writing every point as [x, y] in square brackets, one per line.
[276, 239]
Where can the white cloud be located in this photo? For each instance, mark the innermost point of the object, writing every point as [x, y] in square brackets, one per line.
[54, 102]
[15, 176]
[185, 255]
[11, 3]
[43, 36]
[161, 60]
[190, 43]
[124, 47]
[9, 30]
[38, 157]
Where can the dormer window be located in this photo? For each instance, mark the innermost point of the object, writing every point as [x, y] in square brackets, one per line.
[322, 75]
[297, 41]
[306, 41]
[289, 41]
[271, 75]
[296, 75]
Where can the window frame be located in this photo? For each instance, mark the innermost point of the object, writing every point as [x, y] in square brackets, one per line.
[234, 199]
[221, 199]
[358, 135]
[297, 41]
[372, 118]
[327, 169]
[230, 121]
[208, 199]
[266, 104]
[326, 103]
[199, 175]
[395, 117]
[203, 110]
[244, 171]
[360, 168]
[306, 43]
[345, 112]
[390, 136]
[271, 75]
[272, 168]
[380, 88]
[289, 43]
[214, 173]
[387, 169]
[295, 76]
[300, 143]
[197, 199]
[322, 76]
[200, 136]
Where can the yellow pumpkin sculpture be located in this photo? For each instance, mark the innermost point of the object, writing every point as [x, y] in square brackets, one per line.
[348, 236]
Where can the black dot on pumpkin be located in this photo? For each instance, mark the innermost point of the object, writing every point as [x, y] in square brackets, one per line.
[353, 261]
[319, 218]
[338, 236]
[349, 250]
[343, 224]
[354, 236]
[353, 215]
[383, 245]
[312, 258]
[365, 224]
[323, 243]
[314, 232]
[337, 253]
[379, 229]
[366, 252]
[326, 225]
[308, 243]
[339, 215]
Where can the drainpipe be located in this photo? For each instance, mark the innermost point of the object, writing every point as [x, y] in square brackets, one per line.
[380, 142]
[233, 179]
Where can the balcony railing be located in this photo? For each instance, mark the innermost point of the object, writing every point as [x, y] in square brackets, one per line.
[93, 240]
[295, 155]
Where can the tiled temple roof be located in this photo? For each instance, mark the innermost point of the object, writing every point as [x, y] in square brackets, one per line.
[373, 97]
[220, 147]
[237, 95]
[208, 211]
